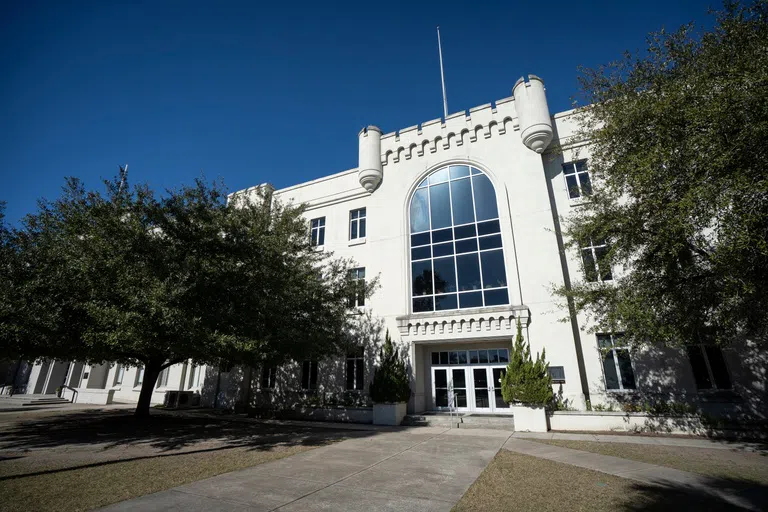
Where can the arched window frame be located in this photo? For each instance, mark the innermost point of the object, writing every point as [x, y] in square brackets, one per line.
[490, 295]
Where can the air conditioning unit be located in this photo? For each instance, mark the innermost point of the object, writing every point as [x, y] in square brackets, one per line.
[181, 399]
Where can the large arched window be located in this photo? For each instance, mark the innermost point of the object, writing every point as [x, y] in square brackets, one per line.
[457, 260]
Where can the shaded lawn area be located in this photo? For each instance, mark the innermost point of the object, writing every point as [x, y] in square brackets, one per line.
[518, 482]
[84, 460]
[748, 467]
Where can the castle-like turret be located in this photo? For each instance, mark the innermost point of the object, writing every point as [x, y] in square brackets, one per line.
[369, 164]
[533, 113]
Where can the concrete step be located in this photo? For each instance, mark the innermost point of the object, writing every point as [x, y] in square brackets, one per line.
[465, 420]
[32, 400]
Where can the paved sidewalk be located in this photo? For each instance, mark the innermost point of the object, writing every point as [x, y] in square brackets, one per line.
[422, 468]
[639, 471]
[686, 442]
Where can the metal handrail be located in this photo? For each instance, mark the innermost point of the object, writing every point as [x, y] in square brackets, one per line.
[74, 392]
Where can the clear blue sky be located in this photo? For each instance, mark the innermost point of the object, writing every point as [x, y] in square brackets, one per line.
[252, 92]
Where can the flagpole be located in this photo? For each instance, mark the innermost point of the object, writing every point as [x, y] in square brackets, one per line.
[442, 75]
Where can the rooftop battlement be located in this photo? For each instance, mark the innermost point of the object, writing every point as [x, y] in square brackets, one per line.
[460, 128]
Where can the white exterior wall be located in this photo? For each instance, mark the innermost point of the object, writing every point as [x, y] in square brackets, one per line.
[486, 138]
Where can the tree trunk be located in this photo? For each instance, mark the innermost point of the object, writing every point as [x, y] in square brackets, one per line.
[151, 372]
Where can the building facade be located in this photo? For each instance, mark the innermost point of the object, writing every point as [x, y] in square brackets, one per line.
[460, 220]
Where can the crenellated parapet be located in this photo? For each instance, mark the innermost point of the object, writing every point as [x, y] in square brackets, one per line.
[457, 129]
[525, 111]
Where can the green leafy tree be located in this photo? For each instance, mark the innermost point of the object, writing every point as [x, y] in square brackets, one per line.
[526, 381]
[391, 382]
[677, 141]
[142, 280]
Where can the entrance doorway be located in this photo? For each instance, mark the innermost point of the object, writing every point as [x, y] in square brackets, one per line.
[468, 388]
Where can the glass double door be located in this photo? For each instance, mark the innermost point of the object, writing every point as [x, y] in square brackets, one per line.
[468, 388]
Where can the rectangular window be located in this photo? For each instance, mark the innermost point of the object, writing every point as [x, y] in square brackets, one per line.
[317, 232]
[309, 375]
[709, 367]
[355, 368]
[139, 376]
[162, 379]
[357, 296]
[617, 364]
[119, 374]
[357, 224]
[268, 377]
[577, 179]
[557, 373]
[597, 267]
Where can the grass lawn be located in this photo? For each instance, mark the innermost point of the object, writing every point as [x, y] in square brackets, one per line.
[91, 487]
[749, 467]
[85, 460]
[517, 482]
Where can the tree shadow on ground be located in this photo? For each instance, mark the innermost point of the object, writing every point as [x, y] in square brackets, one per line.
[163, 432]
[721, 494]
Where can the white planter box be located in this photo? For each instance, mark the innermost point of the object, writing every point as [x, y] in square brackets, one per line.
[529, 418]
[89, 396]
[389, 414]
[609, 421]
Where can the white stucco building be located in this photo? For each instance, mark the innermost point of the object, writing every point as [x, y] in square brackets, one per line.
[460, 219]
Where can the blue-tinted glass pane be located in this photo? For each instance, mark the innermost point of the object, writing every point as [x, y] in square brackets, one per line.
[322, 221]
[485, 198]
[494, 273]
[442, 235]
[321, 239]
[353, 230]
[609, 367]
[420, 253]
[442, 249]
[424, 183]
[471, 300]
[461, 197]
[568, 168]
[422, 304]
[419, 211]
[422, 277]
[487, 228]
[420, 239]
[469, 245]
[586, 185]
[472, 356]
[463, 357]
[439, 176]
[458, 171]
[315, 223]
[444, 359]
[483, 356]
[490, 242]
[362, 228]
[581, 166]
[443, 302]
[435, 358]
[476, 171]
[573, 188]
[496, 297]
[444, 275]
[465, 231]
[354, 214]
[469, 272]
[440, 206]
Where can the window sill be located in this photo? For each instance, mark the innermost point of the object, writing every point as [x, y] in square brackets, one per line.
[319, 248]
[576, 202]
[357, 241]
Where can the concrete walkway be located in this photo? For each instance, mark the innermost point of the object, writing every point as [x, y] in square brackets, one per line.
[650, 474]
[685, 442]
[423, 468]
